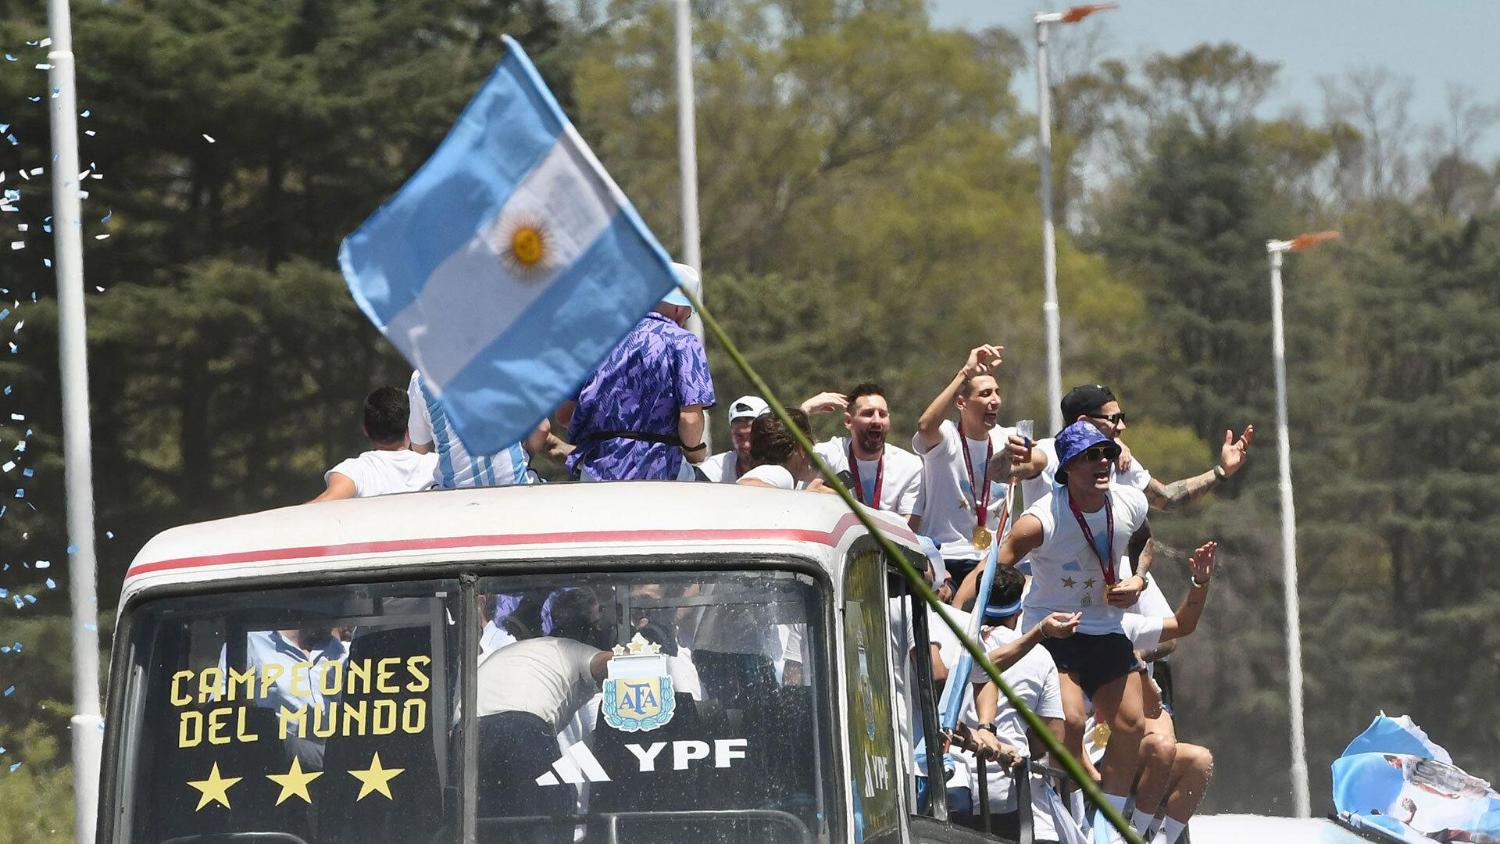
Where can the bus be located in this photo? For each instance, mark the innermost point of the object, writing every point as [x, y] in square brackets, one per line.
[611, 662]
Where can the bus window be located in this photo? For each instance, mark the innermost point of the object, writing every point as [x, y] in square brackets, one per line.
[319, 714]
[875, 776]
[645, 707]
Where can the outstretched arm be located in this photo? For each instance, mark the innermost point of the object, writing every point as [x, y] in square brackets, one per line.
[1178, 493]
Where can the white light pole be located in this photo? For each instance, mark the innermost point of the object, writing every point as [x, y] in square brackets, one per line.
[1301, 802]
[687, 159]
[67, 236]
[1049, 237]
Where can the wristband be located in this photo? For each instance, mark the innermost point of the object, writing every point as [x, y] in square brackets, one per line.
[1220, 474]
[990, 727]
[1193, 579]
[698, 447]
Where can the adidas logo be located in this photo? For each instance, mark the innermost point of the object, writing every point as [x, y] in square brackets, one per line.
[576, 766]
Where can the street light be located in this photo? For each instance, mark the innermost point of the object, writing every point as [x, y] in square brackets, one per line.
[687, 158]
[1049, 237]
[78, 475]
[1301, 803]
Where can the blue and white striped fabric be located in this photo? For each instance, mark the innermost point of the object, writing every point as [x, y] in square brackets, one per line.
[509, 265]
[456, 467]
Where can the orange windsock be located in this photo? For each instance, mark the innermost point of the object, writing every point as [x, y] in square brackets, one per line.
[1307, 241]
[1078, 13]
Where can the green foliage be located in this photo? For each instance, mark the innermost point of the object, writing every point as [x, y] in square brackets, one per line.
[868, 193]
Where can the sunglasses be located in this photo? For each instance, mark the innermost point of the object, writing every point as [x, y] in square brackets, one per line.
[1099, 452]
[1113, 418]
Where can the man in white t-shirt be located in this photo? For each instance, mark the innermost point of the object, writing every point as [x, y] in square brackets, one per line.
[726, 467]
[1096, 404]
[432, 433]
[1173, 775]
[879, 474]
[1033, 677]
[526, 693]
[389, 466]
[1077, 541]
[961, 505]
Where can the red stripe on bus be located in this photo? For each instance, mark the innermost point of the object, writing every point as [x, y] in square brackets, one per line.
[829, 538]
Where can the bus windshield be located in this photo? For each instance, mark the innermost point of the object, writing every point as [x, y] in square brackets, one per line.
[612, 707]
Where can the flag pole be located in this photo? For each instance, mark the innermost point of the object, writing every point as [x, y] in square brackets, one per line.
[67, 234]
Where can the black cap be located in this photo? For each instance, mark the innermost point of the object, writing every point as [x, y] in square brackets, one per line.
[1081, 401]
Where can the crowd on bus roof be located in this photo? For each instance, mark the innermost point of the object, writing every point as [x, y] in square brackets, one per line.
[1081, 534]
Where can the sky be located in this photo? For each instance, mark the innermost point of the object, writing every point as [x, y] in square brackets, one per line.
[1432, 42]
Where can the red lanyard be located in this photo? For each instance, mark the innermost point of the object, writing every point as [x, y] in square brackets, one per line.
[981, 503]
[859, 488]
[1106, 559]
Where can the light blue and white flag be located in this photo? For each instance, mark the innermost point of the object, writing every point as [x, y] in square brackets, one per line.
[509, 265]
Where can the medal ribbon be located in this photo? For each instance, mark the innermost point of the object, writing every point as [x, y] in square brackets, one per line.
[859, 488]
[1107, 557]
[981, 503]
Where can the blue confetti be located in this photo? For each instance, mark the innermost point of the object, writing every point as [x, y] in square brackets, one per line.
[4, 593]
[2, 751]
[20, 493]
[109, 534]
[47, 262]
[7, 389]
[14, 767]
[20, 604]
[51, 584]
[10, 691]
[9, 57]
[4, 312]
[85, 112]
[4, 127]
[91, 627]
[28, 471]
[30, 598]
[106, 217]
[72, 549]
[35, 99]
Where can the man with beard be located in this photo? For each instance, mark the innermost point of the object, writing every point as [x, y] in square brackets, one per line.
[962, 510]
[880, 475]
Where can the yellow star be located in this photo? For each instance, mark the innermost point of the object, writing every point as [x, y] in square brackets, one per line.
[215, 789]
[294, 782]
[1088, 584]
[1069, 582]
[375, 778]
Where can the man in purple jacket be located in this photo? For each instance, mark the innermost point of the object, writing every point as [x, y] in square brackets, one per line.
[641, 412]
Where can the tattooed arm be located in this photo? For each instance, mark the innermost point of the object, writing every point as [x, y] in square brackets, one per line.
[1178, 493]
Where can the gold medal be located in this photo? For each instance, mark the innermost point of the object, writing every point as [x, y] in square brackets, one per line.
[982, 538]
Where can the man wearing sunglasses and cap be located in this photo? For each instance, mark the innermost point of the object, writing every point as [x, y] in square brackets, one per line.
[1036, 463]
[641, 413]
[1077, 540]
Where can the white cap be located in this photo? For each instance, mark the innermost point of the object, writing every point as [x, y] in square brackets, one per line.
[748, 407]
[691, 280]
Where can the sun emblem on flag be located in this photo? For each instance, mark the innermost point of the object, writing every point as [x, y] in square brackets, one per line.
[525, 245]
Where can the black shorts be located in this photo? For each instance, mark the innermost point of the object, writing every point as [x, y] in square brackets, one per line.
[1093, 660]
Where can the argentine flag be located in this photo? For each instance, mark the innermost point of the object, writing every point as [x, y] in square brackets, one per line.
[509, 265]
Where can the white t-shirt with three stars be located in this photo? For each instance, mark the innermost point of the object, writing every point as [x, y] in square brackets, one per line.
[1065, 571]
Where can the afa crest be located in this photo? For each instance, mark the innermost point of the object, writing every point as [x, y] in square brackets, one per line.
[638, 693]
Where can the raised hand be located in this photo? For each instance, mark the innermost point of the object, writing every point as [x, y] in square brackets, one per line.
[1203, 562]
[825, 403]
[983, 360]
[1232, 455]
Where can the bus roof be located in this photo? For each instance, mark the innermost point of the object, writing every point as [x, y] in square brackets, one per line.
[566, 520]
